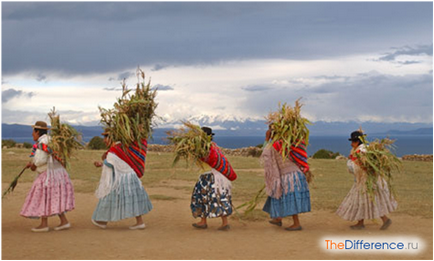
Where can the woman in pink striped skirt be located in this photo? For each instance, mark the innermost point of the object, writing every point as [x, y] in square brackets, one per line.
[52, 192]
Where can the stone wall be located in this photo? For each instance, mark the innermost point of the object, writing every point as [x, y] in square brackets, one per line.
[418, 157]
[246, 152]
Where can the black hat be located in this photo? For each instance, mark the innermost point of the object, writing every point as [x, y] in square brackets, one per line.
[355, 136]
[208, 131]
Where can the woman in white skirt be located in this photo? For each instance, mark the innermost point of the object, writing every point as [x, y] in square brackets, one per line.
[120, 192]
[357, 205]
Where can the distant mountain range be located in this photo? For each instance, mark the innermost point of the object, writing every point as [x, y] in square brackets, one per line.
[420, 131]
[233, 126]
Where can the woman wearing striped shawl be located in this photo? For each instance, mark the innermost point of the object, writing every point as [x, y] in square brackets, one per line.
[211, 196]
[285, 183]
[120, 192]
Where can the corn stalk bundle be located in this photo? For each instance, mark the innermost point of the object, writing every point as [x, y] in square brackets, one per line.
[64, 139]
[288, 126]
[191, 143]
[131, 118]
[377, 161]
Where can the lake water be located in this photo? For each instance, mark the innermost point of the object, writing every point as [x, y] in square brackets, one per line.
[404, 145]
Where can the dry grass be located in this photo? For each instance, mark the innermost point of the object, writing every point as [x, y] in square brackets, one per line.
[131, 118]
[288, 126]
[377, 160]
[191, 143]
[414, 186]
[65, 140]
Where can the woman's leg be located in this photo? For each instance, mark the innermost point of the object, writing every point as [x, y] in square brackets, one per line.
[359, 225]
[44, 223]
[276, 221]
[139, 221]
[386, 222]
[63, 219]
[202, 221]
[296, 221]
[224, 221]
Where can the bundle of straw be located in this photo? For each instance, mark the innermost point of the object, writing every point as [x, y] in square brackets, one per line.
[191, 143]
[288, 126]
[131, 118]
[377, 161]
[251, 204]
[13, 184]
[64, 139]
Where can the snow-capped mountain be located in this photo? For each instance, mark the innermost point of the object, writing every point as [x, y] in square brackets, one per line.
[230, 125]
[227, 124]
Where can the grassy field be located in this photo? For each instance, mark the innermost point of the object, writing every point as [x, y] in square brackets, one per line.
[414, 186]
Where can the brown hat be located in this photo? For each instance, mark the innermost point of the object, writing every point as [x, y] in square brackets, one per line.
[40, 125]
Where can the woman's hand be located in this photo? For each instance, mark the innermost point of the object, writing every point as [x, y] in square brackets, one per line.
[268, 135]
[97, 164]
[29, 165]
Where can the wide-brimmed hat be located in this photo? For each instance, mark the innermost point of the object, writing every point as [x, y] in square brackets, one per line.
[208, 131]
[40, 125]
[355, 136]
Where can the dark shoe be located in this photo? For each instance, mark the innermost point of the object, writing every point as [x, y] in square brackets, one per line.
[225, 228]
[355, 227]
[293, 228]
[277, 223]
[204, 226]
[386, 224]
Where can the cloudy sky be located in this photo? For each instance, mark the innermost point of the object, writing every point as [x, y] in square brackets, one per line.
[349, 61]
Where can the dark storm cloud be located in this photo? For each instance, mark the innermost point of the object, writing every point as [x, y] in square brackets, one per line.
[363, 97]
[125, 75]
[9, 94]
[40, 77]
[158, 67]
[96, 37]
[256, 88]
[160, 87]
[408, 50]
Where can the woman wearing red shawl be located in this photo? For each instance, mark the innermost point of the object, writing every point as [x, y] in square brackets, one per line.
[120, 192]
[285, 184]
[211, 196]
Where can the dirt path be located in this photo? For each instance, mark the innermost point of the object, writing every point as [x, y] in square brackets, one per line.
[169, 234]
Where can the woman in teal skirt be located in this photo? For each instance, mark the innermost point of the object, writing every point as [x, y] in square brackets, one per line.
[285, 185]
[120, 192]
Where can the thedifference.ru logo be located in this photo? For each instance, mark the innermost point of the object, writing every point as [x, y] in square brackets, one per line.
[393, 245]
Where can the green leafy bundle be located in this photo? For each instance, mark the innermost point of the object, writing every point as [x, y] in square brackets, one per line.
[288, 126]
[131, 118]
[64, 139]
[191, 143]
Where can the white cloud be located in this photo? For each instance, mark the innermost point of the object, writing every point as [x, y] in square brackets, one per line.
[251, 88]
